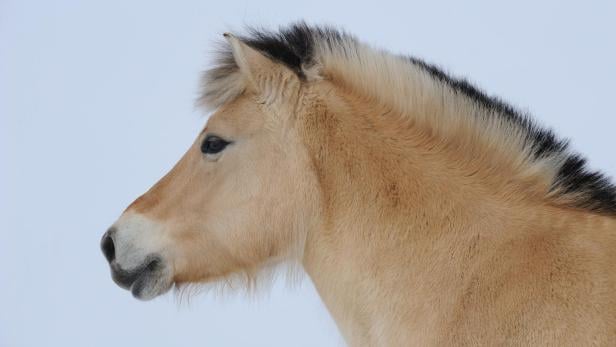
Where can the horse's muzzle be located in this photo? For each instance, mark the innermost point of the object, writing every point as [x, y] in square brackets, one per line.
[146, 280]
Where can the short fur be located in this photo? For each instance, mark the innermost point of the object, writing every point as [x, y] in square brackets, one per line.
[399, 82]
[425, 212]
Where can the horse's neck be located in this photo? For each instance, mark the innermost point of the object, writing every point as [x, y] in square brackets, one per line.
[391, 226]
[401, 229]
[381, 274]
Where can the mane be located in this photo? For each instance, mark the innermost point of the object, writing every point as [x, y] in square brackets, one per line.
[411, 86]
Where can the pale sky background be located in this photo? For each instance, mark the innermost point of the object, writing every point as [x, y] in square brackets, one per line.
[96, 104]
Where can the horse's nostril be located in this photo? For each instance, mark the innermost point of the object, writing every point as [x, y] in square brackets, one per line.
[108, 247]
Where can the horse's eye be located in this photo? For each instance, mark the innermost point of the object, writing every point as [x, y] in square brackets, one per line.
[213, 144]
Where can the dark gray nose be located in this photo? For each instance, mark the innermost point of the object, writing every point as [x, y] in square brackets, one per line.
[107, 245]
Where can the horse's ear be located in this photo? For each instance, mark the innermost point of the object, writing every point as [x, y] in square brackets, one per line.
[253, 64]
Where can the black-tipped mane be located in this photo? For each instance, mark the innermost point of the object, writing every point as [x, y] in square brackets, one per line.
[295, 47]
[292, 47]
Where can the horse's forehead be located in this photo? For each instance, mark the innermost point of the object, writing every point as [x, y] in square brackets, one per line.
[239, 116]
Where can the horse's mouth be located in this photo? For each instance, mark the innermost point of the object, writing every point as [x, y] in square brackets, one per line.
[146, 281]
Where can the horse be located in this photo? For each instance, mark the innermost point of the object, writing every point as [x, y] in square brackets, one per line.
[424, 211]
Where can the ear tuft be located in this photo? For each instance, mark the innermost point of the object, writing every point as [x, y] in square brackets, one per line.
[252, 63]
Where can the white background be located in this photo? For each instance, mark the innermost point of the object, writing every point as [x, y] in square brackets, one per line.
[96, 103]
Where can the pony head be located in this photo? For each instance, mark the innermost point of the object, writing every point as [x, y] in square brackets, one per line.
[242, 197]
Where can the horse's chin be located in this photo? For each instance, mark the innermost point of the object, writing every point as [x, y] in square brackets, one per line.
[148, 286]
[145, 282]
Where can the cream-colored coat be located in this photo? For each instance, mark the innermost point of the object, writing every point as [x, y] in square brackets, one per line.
[417, 225]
